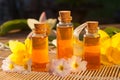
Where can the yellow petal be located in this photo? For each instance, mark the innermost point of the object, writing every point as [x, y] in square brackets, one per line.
[17, 59]
[104, 60]
[105, 41]
[116, 40]
[28, 44]
[103, 35]
[113, 55]
[104, 46]
[17, 47]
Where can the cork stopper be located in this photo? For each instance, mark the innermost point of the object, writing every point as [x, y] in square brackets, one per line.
[65, 16]
[92, 26]
[40, 28]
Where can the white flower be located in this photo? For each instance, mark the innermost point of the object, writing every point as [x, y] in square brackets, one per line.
[63, 67]
[76, 64]
[9, 66]
[60, 67]
[6, 65]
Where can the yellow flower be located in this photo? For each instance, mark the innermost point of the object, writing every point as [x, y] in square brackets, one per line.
[110, 48]
[20, 52]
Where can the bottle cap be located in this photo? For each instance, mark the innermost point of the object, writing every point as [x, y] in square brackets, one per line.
[65, 16]
[40, 27]
[92, 26]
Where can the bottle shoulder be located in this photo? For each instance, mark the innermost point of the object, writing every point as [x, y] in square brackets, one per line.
[39, 35]
[60, 24]
[96, 35]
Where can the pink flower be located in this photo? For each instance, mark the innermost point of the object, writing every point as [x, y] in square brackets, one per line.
[59, 67]
[76, 64]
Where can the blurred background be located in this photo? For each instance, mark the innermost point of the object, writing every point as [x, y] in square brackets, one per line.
[104, 11]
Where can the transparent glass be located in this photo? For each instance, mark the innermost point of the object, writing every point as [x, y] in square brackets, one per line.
[64, 40]
[39, 52]
[92, 49]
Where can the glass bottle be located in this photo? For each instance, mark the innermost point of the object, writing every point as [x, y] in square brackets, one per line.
[64, 35]
[40, 47]
[91, 45]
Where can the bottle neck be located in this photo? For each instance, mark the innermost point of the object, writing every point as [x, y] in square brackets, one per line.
[65, 23]
[62, 22]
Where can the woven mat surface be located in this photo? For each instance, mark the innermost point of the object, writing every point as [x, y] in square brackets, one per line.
[104, 73]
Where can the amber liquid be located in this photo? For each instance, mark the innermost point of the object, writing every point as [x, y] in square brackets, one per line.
[64, 42]
[39, 53]
[92, 52]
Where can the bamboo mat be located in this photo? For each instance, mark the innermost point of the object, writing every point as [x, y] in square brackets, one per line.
[104, 73]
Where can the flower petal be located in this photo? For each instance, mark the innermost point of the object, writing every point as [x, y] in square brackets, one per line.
[28, 45]
[83, 65]
[17, 47]
[76, 64]
[60, 67]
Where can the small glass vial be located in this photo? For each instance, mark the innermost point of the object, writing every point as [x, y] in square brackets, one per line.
[64, 35]
[40, 47]
[91, 45]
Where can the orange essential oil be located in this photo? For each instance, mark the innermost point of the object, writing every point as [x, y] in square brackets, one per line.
[92, 46]
[40, 48]
[64, 35]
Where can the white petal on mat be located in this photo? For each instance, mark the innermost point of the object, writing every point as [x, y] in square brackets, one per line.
[54, 42]
[5, 64]
[29, 64]
[1, 45]
[18, 68]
